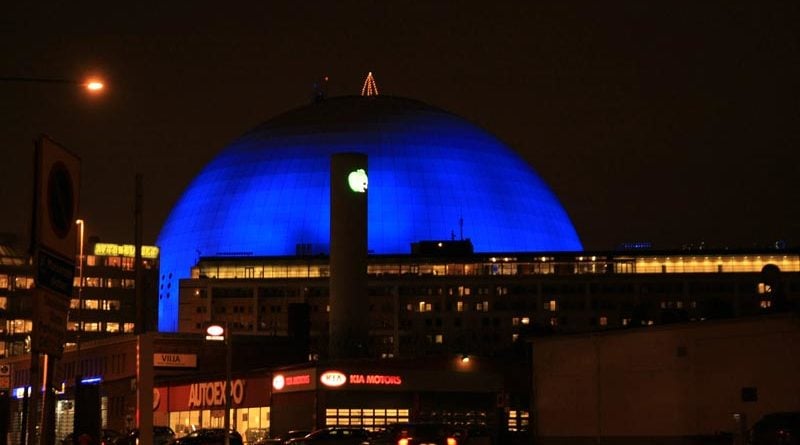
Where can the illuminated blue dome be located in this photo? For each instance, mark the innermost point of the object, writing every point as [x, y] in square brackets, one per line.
[428, 170]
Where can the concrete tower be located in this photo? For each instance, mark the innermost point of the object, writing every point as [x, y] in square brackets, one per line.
[349, 328]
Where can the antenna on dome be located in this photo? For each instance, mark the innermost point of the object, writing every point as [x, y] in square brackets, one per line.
[370, 88]
[320, 90]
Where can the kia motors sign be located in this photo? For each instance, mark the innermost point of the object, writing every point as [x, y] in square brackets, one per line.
[333, 378]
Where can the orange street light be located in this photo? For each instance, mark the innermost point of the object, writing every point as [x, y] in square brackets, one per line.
[94, 85]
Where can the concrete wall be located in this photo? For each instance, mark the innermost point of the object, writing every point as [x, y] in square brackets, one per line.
[665, 384]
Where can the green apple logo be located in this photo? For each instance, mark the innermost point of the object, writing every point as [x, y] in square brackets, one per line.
[358, 180]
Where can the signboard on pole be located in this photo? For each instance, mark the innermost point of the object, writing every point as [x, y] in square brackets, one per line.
[49, 322]
[5, 377]
[54, 242]
[57, 186]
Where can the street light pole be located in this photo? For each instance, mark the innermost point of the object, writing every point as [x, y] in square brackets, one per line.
[228, 392]
[218, 332]
[79, 328]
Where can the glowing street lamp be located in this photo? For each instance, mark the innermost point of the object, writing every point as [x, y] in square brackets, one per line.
[217, 332]
[94, 86]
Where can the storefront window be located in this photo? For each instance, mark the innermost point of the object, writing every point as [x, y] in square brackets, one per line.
[371, 419]
[242, 419]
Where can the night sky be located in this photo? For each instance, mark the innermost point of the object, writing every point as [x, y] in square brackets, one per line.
[668, 122]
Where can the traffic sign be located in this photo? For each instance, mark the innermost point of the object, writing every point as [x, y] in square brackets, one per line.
[49, 322]
[54, 273]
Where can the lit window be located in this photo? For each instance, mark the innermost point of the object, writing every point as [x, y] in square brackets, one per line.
[3, 281]
[439, 339]
[90, 304]
[626, 321]
[460, 306]
[552, 306]
[525, 320]
[3, 302]
[515, 321]
[73, 303]
[679, 304]
[128, 328]
[23, 282]
[91, 327]
[553, 321]
[766, 304]
[764, 288]
[514, 337]
[603, 321]
[112, 327]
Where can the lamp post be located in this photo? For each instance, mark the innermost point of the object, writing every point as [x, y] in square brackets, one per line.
[217, 332]
[80, 224]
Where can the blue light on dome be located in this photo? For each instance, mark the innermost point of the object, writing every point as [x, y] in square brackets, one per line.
[268, 192]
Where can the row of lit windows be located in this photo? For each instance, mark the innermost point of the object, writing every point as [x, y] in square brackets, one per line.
[123, 283]
[15, 282]
[108, 326]
[104, 305]
[371, 419]
[483, 306]
[510, 266]
[712, 264]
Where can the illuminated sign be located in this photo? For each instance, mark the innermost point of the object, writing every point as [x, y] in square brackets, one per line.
[280, 381]
[336, 378]
[128, 250]
[167, 360]
[333, 378]
[357, 180]
[375, 379]
[19, 393]
[213, 393]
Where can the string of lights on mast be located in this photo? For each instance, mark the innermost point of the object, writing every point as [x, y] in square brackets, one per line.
[370, 88]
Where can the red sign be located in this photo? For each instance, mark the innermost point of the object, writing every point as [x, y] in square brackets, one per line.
[337, 378]
[280, 381]
[375, 379]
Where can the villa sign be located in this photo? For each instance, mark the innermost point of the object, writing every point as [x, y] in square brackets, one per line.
[170, 360]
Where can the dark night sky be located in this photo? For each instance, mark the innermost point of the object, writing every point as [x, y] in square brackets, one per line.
[671, 122]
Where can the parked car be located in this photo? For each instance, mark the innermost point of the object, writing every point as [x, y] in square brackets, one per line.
[419, 433]
[333, 435]
[209, 436]
[268, 441]
[162, 435]
[776, 429]
[107, 437]
[282, 440]
[253, 435]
